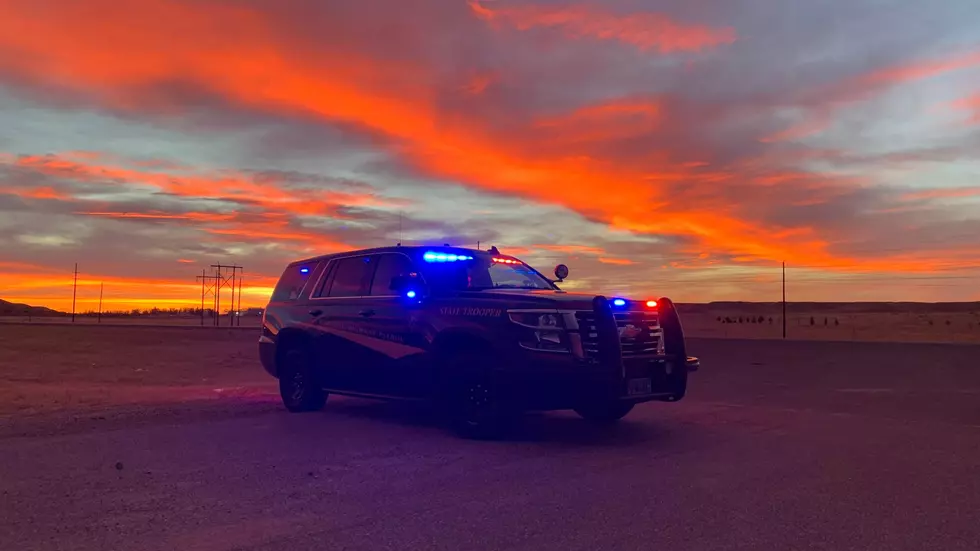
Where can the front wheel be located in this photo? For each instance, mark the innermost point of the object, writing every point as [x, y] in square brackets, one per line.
[477, 407]
[298, 387]
[607, 412]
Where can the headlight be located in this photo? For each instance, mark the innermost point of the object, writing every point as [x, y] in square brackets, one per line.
[544, 331]
[537, 320]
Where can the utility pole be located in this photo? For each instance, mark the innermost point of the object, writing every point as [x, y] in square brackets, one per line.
[231, 312]
[101, 289]
[209, 286]
[217, 299]
[221, 282]
[239, 316]
[203, 276]
[74, 291]
[784, 300]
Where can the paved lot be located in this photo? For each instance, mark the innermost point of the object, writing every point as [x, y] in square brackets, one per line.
[779, 446]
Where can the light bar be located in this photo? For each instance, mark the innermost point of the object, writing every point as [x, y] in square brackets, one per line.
[619, 302]
[506, 260]
[651, 304]
[432, 256]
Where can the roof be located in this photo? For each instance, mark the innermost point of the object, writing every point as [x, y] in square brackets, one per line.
[407, 249]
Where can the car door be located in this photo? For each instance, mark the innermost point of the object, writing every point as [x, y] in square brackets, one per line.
[397, 340]
[335, 310]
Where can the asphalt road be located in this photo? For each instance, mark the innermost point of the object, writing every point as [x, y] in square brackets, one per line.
[780, 446]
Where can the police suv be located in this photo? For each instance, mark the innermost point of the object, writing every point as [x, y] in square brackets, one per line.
[480, 333]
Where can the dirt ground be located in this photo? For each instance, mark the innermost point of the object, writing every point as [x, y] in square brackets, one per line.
[148, 438]
[53, 367]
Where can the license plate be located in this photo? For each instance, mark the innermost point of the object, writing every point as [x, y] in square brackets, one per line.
[639, 386]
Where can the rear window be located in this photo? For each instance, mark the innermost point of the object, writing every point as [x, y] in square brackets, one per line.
[293, 281]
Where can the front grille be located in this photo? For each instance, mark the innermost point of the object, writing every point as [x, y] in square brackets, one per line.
[646, 340]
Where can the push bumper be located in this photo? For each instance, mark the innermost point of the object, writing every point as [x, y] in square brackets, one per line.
[553, 381]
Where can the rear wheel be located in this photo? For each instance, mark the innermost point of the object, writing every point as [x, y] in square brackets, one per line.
[298, 386]
[604, 412]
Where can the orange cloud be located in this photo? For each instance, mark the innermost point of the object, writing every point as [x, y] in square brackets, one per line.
[971, 104]
[646, 31]
[943, 193]
[616, 261]
[43, 192]
[226, 186]
[107, 50]
[603, 122]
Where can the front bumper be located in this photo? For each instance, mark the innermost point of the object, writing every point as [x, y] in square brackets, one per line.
[549, 383]
[543, 380]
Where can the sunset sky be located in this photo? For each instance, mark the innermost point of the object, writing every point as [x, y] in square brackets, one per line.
[657, 147]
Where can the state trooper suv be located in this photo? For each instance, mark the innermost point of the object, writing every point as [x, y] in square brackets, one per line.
[480, 333]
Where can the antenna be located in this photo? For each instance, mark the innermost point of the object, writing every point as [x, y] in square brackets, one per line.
[399, 227]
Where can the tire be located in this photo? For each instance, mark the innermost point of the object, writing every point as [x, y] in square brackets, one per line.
[605, 413]
[298, 386]
[476, 407]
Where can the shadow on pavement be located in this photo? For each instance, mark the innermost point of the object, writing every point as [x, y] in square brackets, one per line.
[541, 427]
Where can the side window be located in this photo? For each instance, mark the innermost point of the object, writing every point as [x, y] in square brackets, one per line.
[324, 285]
[389, 266]
[293, 281]
[350, 277]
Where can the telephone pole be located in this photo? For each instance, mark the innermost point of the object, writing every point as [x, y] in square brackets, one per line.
[209, 286]
[784, 300]
[221, 282]
[74, 292]
[239, 316]
[101, 289]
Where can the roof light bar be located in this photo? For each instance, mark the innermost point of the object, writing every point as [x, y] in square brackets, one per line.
[506, 260]
[432, 256]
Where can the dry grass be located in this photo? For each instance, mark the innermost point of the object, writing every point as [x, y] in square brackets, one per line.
[829, 324]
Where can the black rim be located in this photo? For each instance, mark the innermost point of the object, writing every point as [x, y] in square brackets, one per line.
[297, 378]
[478, 402]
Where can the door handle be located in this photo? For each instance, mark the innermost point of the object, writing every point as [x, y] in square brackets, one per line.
[316, 313]
[367, 313]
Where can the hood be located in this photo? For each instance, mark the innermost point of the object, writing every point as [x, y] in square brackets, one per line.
[538, 297]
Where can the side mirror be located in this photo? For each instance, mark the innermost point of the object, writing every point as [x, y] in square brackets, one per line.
[561, 272]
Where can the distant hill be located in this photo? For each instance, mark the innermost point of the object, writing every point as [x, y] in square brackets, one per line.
[16, 309]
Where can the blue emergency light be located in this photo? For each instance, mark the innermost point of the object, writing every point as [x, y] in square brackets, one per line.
[304, 270]
[410, 294]
[432, 256]
[619, 302]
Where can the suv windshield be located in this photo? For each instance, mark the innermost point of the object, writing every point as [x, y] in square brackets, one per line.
[483, 273]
